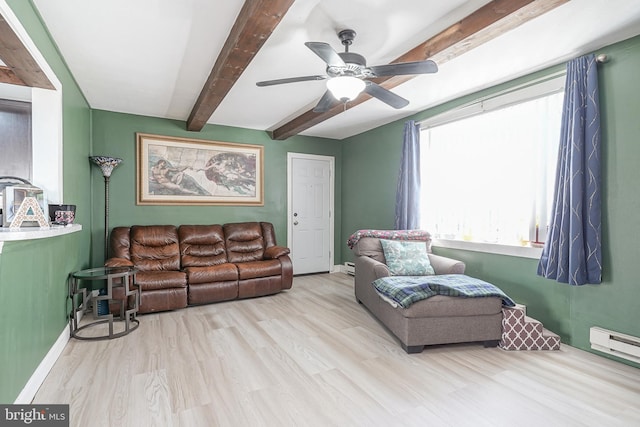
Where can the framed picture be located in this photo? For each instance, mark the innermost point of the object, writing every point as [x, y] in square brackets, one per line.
[183, 171]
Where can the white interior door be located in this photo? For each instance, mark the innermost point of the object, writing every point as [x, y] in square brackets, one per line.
[310, 212]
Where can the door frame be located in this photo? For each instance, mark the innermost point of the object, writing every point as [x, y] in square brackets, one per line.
[332, 161]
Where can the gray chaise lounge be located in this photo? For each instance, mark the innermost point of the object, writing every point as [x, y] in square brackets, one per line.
[436, 320]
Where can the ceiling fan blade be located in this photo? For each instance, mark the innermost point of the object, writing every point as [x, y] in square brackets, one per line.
[404, 68]
[326, 103]
[289, 80]
[326, 52]
[386, 96]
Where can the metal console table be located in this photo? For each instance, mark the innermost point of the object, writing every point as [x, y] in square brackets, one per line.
[115, 277]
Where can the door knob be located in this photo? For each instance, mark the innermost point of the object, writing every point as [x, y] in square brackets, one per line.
[295, 222]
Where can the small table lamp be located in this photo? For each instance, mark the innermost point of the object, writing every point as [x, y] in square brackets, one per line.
[107, 164]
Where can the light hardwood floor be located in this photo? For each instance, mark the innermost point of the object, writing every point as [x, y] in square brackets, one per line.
[312, 356]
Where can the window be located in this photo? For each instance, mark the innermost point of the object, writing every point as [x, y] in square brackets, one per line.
[15, 127]
[488, 169]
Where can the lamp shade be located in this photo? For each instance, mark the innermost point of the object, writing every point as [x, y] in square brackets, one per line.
[106, 164]
[345, 88]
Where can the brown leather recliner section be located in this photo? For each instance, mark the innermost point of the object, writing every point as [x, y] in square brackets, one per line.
[244, 241]
[204, 258]
[202, 245]
[262, 266]
[253, 269]
[199, 264]
[154, 250]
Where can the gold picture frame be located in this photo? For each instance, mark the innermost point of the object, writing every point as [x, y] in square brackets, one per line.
[185, 171]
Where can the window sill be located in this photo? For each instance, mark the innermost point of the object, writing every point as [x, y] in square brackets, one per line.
[29, 233]
[491, 248]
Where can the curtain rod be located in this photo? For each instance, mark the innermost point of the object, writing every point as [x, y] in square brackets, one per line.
[600, 59]
[540, 80]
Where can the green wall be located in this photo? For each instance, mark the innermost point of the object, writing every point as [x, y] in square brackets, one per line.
[114, 134]
[369, 196]
[33, 273]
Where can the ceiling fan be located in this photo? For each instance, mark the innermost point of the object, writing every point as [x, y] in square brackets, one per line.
[347, 75]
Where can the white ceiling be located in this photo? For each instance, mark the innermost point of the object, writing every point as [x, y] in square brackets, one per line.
[148, 57]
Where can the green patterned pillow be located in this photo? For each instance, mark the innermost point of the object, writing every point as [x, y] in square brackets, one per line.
[407, 258]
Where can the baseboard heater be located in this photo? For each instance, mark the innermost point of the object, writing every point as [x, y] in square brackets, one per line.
[350, 268]
[615, 343]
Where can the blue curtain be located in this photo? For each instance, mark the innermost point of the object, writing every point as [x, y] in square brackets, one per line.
[572, 252]
[408, 192]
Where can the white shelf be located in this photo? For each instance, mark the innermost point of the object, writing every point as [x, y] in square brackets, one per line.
[30, 233]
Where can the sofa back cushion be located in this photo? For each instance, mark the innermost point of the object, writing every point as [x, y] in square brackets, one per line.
[244, 241]
[201, 245]
[155, 247]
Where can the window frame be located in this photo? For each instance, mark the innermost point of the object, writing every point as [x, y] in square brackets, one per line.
[46, 116]
[534, 89]
[46, 133]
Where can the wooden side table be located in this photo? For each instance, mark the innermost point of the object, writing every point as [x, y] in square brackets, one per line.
[115, 277]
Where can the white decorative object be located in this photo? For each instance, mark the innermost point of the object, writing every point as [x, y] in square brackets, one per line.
[29, 210]
[14, 195]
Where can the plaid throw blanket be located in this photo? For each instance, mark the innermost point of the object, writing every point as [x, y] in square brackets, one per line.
[405, 290]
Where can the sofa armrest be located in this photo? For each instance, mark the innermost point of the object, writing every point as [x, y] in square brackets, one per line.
[444, 265]
[275, 252]
[369, 270]
[118, 262]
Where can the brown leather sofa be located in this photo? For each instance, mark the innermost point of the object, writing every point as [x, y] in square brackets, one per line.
[200, 264]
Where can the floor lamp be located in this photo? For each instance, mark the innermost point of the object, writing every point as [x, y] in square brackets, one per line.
[107, 164]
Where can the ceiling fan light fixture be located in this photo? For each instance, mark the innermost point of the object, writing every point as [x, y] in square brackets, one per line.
[345, 88]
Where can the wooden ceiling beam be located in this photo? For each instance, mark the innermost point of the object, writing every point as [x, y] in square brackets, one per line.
[8, 76]
[488, 22]
[255, 23]
[21, 68]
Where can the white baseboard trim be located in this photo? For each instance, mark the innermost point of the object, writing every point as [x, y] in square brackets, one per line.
[37, 378]
[340, 268]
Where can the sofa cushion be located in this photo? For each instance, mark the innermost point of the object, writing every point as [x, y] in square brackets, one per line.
[212, 273]
[151, 280]
[407, 258]
[253, 269]
[201, 245]
[155, 247]
[244, 241]
[445, 306]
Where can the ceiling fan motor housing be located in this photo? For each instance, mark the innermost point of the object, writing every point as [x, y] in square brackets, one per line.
[356, 66]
